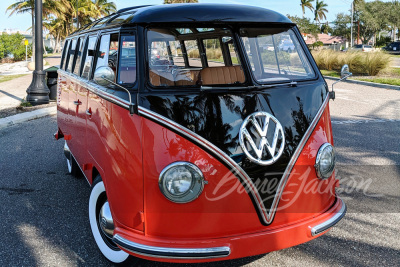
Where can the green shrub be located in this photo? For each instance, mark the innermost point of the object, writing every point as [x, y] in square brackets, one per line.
[50, 50]
[359, 62]
[12, 45]
[213, 53]
[269, 57]
[194, 53]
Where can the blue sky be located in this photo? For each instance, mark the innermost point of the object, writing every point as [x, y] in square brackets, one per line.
[291, 7]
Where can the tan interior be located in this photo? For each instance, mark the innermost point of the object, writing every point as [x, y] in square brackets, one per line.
[161, 78]
[222, 75]
[207, 76]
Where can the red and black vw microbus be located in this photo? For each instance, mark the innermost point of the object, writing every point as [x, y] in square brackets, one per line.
[203, 130]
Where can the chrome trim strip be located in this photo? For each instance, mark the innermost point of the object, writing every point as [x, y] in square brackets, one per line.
[320, 228]
[235, 168]
[171, 253]
[94, 88]
[295, 156]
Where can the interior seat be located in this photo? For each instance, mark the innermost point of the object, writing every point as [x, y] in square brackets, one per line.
[161, 78]
[187, 77]
[222, 75]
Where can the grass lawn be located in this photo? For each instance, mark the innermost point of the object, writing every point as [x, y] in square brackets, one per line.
[389, 76]
[391, 81]
[332, 73]
[5, 78]
[50, 55]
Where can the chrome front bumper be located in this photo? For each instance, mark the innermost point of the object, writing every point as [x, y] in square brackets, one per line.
[171, 253]
[320, 228]
[217, 252]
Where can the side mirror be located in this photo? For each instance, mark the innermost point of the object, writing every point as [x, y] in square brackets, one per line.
[103, 76]
[345, 72]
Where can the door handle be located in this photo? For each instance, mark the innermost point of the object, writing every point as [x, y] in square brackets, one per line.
[89, 112]
[77, 103]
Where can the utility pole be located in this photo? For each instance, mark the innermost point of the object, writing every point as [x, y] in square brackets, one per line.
[352, 16]
[38, 92]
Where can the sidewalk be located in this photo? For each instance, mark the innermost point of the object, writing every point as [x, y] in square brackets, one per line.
[14, 91]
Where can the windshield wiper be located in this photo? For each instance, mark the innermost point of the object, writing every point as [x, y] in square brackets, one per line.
[247, 88]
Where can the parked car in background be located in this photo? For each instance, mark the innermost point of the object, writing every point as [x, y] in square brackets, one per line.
[393, 47]
[286, 45]
[363, 48]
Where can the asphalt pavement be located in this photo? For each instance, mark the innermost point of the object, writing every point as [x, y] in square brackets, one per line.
[44, 210]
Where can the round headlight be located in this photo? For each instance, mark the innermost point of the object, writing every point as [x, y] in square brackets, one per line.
[181, 182]
[325, 161]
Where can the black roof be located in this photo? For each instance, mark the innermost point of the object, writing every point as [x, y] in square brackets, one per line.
[207, 13]
[188, 13]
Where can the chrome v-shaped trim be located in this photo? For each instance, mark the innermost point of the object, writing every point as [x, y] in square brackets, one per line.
[235, 168]
[267, 216]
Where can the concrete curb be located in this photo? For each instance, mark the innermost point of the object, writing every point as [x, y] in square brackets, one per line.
[27, 116]
[379, 85]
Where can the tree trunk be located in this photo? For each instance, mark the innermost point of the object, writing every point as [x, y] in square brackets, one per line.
[58, 43]
[56, 48]
[33, 35]
[44, 47]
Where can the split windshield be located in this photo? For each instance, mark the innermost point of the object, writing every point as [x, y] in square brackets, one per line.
[197, 56]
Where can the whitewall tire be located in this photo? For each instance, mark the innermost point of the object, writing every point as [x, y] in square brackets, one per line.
[107, 247]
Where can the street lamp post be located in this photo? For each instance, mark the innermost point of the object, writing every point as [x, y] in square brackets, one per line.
[38, 92]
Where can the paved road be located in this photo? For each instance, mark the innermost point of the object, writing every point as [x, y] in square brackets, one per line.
[396, 62]
[43, 210]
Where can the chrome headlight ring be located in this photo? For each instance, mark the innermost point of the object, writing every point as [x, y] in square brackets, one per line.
[181, 182]
[325, 161]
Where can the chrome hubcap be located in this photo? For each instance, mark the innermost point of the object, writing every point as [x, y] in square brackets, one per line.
[106, 221]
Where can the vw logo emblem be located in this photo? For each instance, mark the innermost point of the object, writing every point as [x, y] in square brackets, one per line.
[261, 138]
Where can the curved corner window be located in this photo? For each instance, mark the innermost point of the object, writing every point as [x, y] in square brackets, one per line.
[275, 55]
[189, 57]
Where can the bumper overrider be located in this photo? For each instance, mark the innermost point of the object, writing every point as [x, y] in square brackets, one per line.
[231, 247]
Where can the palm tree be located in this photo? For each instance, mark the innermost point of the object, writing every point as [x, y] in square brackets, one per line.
[55, 7]
[104, 8]
[88, 10]
[59, 29]
[179, 1]
[306, 4]
[320, 10]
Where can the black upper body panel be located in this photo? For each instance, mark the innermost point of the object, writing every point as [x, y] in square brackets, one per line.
[186, 13]
[207, 13]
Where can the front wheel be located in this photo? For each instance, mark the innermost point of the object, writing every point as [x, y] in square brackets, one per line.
[97, 203]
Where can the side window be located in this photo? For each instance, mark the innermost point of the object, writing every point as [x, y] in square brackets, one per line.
[67, 55]
[176, 53]
[127, 61]
[108, 52]
[234, 54]
[213, 52]
[193, 53]
[72, 55]
[64, 53]
[88, 56]
[77, 68]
